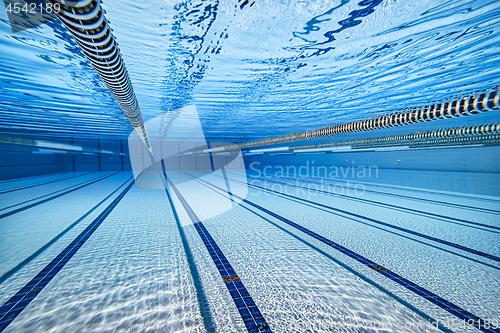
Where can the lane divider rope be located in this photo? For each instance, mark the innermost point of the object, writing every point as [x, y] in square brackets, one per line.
[475, 103]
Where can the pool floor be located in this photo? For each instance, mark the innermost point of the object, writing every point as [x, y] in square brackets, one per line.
[94, 252]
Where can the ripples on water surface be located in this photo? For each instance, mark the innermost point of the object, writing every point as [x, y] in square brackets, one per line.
[266, 67]
[256, 69]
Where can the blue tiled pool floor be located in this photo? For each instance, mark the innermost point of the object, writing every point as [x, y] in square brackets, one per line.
[132, 274]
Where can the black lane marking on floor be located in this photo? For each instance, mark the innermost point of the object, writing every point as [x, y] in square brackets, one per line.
[40, 184]
[201, 296]
[314, 206]
[48, 194]
[17, 303]
[26, 261]
[249, 312]
[361, 276]
[403, 188]
[421, 212]
[487, 210]
[227, 185]
[418, 234]
[12, 212]
[210, 154]
[428, 295]
[32, 177]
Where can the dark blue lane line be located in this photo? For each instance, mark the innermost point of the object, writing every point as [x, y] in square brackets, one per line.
[26, 261]
[249, 312]
[361, 276]
[210, 154]
[201, 296]
[487, 210]
[373, 202]
[418, 234]
[32, 177]
[17, 303]
[47, 195]
[40, 184]
[459, 196]
[394, 233]
[428, 295]
[402, 188]
[15, 211]
[228, 187]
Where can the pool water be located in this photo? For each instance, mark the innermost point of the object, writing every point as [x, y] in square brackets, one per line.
[381, 229]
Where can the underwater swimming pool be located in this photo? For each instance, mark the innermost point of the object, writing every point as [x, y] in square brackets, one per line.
[250, 166]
